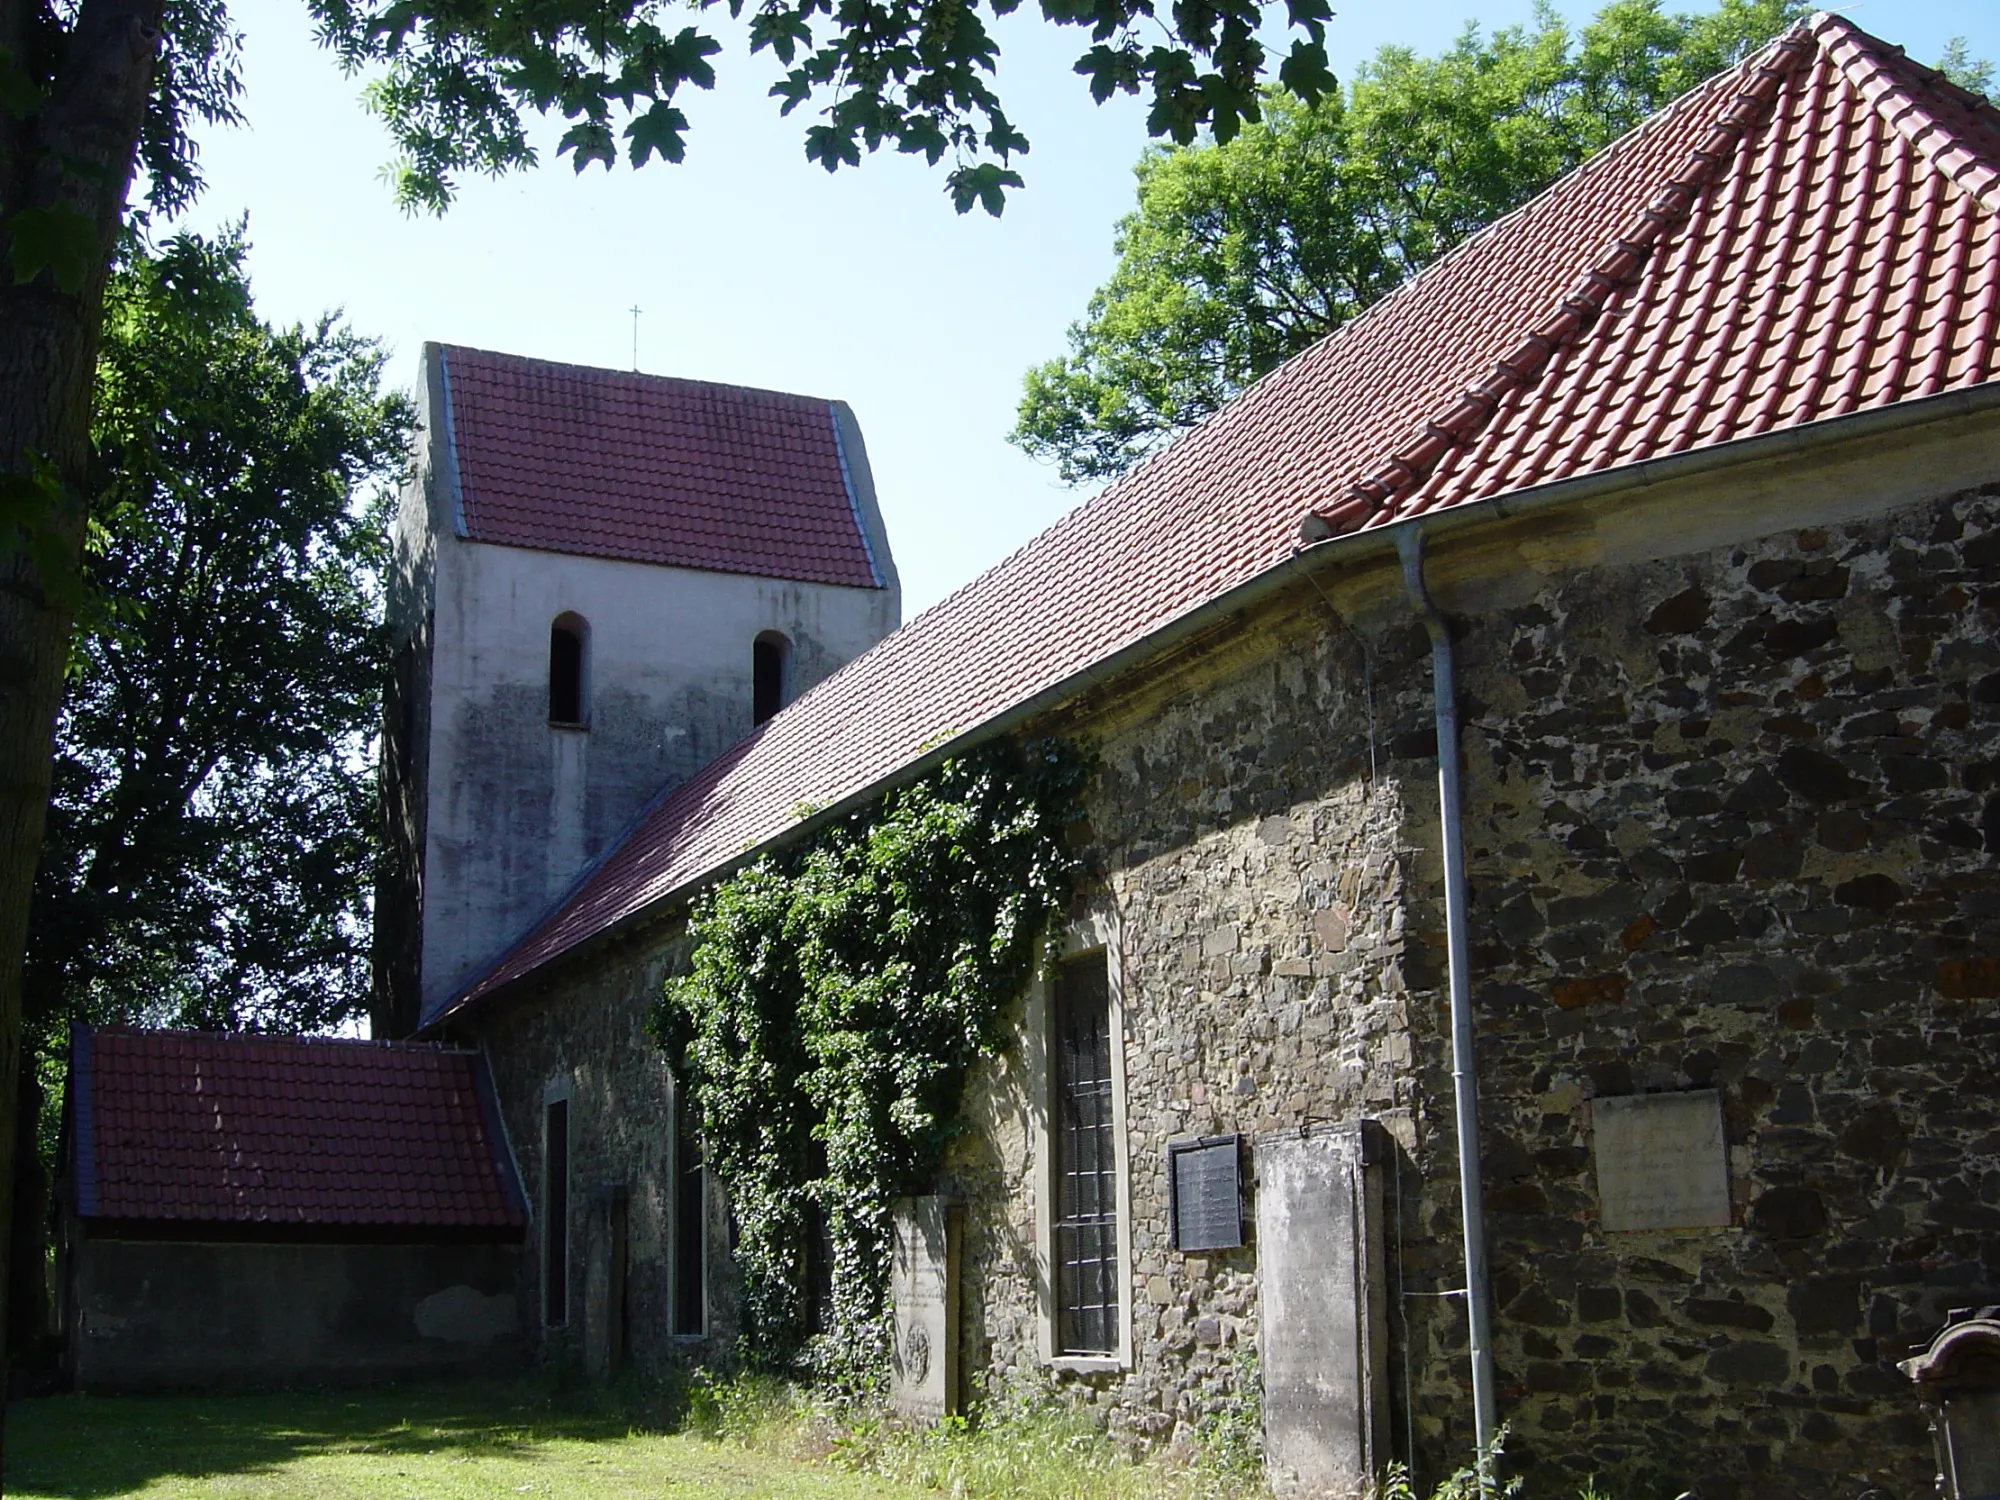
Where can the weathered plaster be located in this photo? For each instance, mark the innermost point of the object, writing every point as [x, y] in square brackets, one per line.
[502, 809]
[169, 1314]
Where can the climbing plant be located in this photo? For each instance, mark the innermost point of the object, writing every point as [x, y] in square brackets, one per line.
[835, 999]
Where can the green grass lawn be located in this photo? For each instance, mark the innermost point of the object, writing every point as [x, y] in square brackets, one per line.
[445, 1441]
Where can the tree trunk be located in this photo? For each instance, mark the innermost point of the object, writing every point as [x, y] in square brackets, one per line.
[28, 1293]
[73, 155]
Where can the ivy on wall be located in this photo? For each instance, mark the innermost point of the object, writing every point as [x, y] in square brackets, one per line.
[836, 998]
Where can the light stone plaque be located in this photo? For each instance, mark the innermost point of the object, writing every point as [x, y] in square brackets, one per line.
[1661, 1162]
[1323, 1290]
[923, 1286]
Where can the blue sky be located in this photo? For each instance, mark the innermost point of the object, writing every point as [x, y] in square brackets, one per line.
[755, 267]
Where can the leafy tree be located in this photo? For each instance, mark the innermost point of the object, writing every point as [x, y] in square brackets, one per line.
[209, 843]
[1242, 252]
[208, 852]
[1962, 68]
[94, 91]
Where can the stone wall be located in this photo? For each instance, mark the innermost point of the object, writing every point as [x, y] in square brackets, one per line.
[1732, 826]
[1251, 872]
[586, 1031]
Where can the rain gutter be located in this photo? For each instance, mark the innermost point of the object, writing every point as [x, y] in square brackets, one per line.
[1458, 947]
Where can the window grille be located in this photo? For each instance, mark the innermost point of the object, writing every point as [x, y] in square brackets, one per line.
[1086, 1221]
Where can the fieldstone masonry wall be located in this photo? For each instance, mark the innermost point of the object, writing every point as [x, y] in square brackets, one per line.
[1732, 826]
[1253, 875]
[1732, 822]
[589, 1030]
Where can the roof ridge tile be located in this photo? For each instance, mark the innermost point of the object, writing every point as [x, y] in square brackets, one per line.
[1895, 85]
[1615, 267]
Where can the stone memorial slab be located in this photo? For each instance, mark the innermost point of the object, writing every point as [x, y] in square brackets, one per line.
[1324, 1313]
[1661, 1162]
[923, 1287]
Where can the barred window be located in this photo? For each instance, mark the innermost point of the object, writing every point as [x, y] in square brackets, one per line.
[1086, 1161]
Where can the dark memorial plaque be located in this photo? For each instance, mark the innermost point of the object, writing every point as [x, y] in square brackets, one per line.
[1205, 1182]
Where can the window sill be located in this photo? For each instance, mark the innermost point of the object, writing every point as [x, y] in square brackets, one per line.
[566, 724]
[1087, 1364]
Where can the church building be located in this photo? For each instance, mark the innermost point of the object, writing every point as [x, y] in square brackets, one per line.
[1576, 677]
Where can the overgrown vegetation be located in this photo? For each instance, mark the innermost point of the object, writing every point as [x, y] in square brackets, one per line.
[700, 1438]
[835, 1000]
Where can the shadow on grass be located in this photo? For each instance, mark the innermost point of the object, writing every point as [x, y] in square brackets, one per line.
[89, 1447]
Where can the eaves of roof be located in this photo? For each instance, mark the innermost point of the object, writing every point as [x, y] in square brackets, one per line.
[1803, 247]
[1316, 549]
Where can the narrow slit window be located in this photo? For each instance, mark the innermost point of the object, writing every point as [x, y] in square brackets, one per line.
[555, 1213]
[767, 675]
[1086, 1161]
[690, 1222]
[569, 639]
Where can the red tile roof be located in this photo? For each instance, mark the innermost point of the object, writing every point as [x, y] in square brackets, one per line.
[1811, 234]
[200, 1127]
[682, 472]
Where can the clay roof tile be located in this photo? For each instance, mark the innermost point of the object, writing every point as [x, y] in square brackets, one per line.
[685, 473]
[278, 1129]
[1810, 234]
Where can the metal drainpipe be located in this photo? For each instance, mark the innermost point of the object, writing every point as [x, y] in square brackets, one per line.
[1464, 1083]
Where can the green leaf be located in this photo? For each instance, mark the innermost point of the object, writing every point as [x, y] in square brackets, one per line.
[591, 140]
[1305, 72]
[663, 129]
[60, 240]
[687, 58]
[985, 185]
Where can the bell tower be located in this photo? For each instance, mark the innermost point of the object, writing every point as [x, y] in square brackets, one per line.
[601, 581]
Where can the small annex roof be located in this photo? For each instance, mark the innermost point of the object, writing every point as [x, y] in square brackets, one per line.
[182, 1128]
[685, 473]
[1812, 234]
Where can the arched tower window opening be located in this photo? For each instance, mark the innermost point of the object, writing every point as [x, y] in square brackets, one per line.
[569, 670]
[768, 656]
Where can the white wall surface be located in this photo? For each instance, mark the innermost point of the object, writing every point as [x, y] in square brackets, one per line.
[515, 808]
